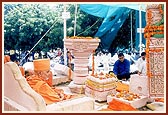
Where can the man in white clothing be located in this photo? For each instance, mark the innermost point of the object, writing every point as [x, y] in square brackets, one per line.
[141, 64]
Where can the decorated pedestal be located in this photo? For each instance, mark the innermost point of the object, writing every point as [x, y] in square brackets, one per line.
[154, 34]
[100, 86]
[81, 48]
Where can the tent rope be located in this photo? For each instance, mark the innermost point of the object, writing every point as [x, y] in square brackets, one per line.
[38, 41]
[89, 27]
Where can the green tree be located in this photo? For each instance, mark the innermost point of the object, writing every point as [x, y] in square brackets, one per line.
[24, 26]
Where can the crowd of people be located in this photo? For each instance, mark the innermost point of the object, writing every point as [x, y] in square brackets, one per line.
[27, 56]
[105, 59]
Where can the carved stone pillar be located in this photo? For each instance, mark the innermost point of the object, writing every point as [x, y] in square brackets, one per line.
[154, 34]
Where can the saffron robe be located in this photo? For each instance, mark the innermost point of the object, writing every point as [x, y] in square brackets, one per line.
[50, 94]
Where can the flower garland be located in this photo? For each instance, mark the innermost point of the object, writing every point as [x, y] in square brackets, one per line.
[156, 30]
[93, 64]
[147, 57]
[78, 37]
[156, 50]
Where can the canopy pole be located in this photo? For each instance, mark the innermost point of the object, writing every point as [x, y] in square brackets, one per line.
[140, 33]
[65, 50]
[131, 34]
[75, 19]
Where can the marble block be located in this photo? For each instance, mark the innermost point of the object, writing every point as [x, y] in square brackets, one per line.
[75, 88]
[79, 80]
[99, 96]
[139, 85]
[59, 79]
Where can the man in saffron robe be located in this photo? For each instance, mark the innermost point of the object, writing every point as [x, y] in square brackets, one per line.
[37, 82]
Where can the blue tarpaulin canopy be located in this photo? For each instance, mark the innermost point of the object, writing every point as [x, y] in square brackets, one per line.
[114, 16]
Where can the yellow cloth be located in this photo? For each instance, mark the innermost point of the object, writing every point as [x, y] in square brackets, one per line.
[41, 64]
[50, 95]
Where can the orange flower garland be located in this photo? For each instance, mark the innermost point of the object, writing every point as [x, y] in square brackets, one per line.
[78, 37]
[149, 16]
[147, 35]
[156, 50]
[93, 63]
[152, 30]
[147, 57]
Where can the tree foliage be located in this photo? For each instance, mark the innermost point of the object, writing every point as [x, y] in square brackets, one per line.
[26, 24]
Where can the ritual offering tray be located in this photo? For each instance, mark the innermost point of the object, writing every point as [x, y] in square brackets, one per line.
[135, 100]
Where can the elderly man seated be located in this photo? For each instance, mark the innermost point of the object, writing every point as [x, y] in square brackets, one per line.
[37, 82]
[35, 94]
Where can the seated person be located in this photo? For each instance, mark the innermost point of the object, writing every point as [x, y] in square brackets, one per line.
[141, 64]
[37, 82]
[70, 60]
[122, 67]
